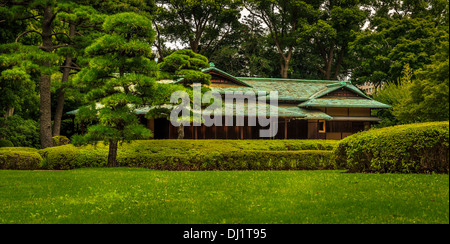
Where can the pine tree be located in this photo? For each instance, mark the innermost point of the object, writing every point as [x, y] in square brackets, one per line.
[121, 78]
[186, 64]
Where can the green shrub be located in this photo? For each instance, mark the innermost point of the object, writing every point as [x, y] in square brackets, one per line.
[18, 158]
[198, 155]
[71, 157]
[414, 148]
[21, 132]
[60, 140]
[6, 143]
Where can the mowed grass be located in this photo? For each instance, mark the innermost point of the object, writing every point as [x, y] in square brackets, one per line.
[123, 195]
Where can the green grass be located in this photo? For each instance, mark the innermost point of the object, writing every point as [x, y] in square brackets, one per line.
[123, 195]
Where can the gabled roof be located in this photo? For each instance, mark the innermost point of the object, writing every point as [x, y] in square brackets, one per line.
[212, 68]
[338, 85]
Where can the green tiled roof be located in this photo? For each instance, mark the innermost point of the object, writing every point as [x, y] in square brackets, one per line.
[296, 97]
[337, 85]
[288, 89]
[295, 111]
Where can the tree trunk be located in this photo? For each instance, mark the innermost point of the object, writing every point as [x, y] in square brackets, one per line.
[45, 112]
[58, 113]
[9, 112]
[61, 93]
[284, 69]
[45, 84]
[181, 131]
[194, 46]
[61, 98]
[112, 155]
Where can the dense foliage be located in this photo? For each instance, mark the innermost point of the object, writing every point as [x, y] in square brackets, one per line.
[186, 64]
[45, 43]
[21, 132]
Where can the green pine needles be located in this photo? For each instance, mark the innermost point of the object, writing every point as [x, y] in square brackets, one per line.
[121, 77]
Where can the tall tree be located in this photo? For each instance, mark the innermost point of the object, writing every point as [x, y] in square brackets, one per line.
[332, 31]
[121, 78]
[429, 92]
[78, 24]
[199, 24]
[399, 33]
[249, 52]
[285, 19]
[44, 12]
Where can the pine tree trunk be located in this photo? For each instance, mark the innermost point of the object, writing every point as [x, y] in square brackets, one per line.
[58, 113]
[45, 84]
[45, 112]
[112, 155]
[60, 102]
[61, 93]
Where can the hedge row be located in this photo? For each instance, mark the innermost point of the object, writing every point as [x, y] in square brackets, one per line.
[20, 158]
[413, 148]
[142, 154]
[235, 160]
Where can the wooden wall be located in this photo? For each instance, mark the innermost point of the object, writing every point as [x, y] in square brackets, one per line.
[287, 129]
[348, 112]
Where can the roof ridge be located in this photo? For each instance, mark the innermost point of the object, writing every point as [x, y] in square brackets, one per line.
[287, 79]
[212, 67]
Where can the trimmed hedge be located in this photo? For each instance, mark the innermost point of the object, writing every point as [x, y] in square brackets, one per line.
[233, 160]
[198, 155]
[413, 148]
[19, 158]
[70, 157]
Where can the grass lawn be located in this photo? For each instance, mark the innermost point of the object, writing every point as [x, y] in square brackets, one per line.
[123, 195]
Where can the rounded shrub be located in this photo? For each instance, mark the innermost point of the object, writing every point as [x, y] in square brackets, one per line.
[60, 140]
[71, 157]
[18, 158]
[413, 148]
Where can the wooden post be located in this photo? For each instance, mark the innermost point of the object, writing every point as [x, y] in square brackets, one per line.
[285, 128]
[215, 128]
[169, 131]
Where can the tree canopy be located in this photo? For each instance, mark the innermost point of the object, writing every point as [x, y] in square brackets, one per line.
[121, 77]
[52, 52]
